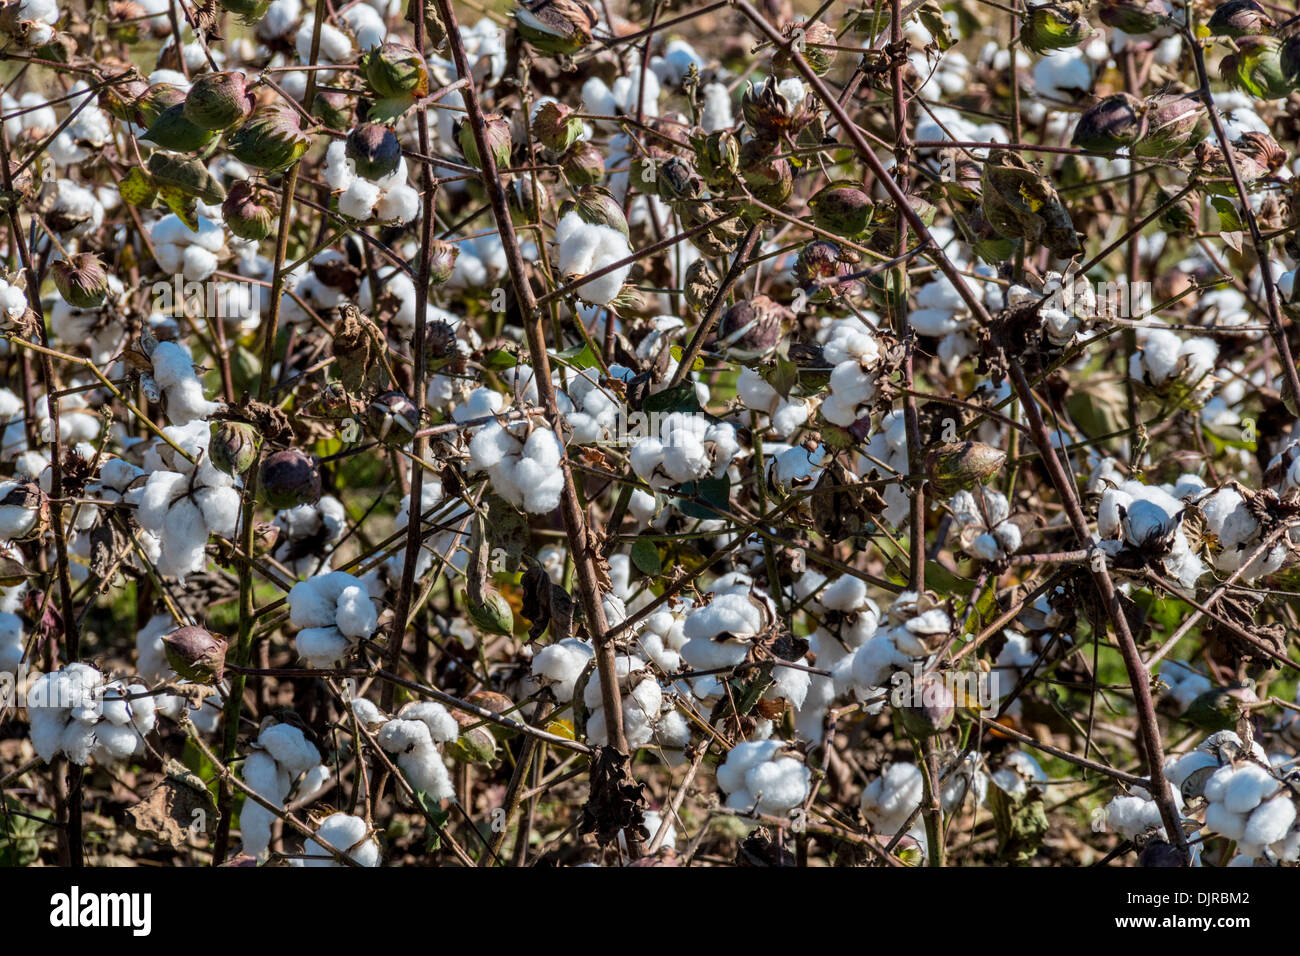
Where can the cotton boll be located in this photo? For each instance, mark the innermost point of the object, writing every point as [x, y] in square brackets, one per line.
[290, 748]
[741, 759]
[116, 743]
[561, 664]
[1271, 821]
[584, 248]
[889, 800]
[321, 646]
[356, 615]
[426, 772]
[442, 725]
[359, 200]
[1223, 821]
[255, 823]
[778, 785]
[347, 834]
[1250, 785]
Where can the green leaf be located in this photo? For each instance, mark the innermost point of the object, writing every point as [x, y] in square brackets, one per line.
[714, 491]
[499, 360]
[679, 399]
[783, 375]
[646, 556]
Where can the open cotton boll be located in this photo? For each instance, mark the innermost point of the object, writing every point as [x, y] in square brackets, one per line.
[290, 748]
[1224, 822]
[585, 247]
[356, 615]
[889, 800]
[561, 664]
[358, 201]
[1271, 821]
[743, 758]
[778, 785]
[1249, 786]
[347, 834]
[1132, 816]
[442, 725]
[173, 370]
[321, 647]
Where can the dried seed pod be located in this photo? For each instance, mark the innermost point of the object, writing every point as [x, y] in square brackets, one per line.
[187, 174]
[1133, 16]
[233, 447]
[1240, 18]
[395, 70]
[956, 466]
[931, 709]
[701, 285]
[1055, 26]
[393, 418]
[173, 130]
[248, 11]
[583, 164]
[811, 39]
[770, 115]
[442, 260]
[843, 208]
[497, 135]
[556, 127]
[1176, 122]
[1256, 68]
[752, 329]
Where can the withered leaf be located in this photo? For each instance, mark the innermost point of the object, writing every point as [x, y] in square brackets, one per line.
[180, 805]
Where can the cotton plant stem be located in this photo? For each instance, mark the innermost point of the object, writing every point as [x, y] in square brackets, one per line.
[402, 607]
[581, 548]
[1275, 330]
[270, 327]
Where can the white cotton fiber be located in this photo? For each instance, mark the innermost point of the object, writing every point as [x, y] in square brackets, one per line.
[290, 748]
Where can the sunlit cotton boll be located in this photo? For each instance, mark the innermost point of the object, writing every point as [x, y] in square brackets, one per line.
[584, 248]
[347, 834]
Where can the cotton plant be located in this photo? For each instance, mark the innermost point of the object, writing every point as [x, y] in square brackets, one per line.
[387, 198]
[282, 762]
[414, 737]
[346, 833]
[308, 533]
[185, 500]
[983, 524]
[758, 778]
[330, 612]
[76, 713]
